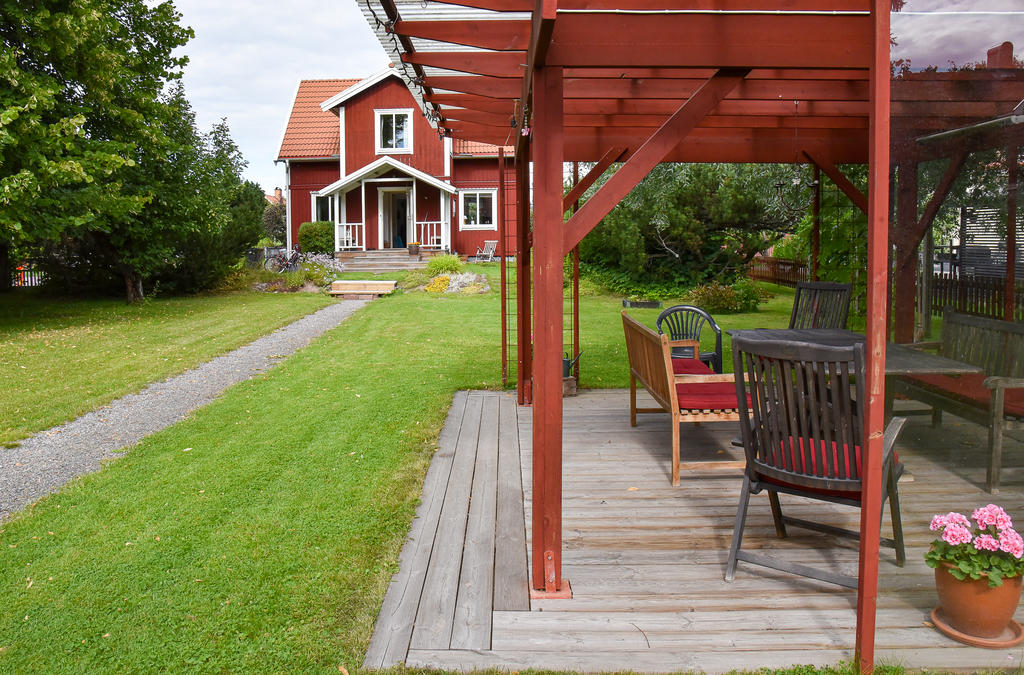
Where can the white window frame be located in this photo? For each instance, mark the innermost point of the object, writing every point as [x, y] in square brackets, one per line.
[377, 114]
[462, 210]
[332, 206]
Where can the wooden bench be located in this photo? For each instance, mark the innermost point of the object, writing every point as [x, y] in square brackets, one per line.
[994, 398]
[685, 388]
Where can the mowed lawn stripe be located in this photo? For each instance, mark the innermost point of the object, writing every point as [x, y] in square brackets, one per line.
[61, 359]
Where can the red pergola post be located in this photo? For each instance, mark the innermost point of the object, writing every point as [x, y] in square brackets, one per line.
[503, 254]
[877, 292]
[524, 332]
[816, 224]
[905, 281]
[547, 379]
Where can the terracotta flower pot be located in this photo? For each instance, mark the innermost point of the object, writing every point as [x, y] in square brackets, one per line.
[972, 607]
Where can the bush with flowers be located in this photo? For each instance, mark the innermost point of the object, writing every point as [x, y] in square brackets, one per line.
[989, 546]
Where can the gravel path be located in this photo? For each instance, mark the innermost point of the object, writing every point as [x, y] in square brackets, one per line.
[51, 458]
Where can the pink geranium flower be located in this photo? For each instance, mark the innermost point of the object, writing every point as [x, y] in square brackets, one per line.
[986, 542]
[951, 518]
[1012, 543]
[956, 534]
[992, 515]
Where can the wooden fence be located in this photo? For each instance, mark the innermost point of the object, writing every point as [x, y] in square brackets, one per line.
[982, 296]
[778, 270]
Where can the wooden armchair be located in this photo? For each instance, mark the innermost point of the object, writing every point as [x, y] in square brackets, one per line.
[820, 304]
[804, 437]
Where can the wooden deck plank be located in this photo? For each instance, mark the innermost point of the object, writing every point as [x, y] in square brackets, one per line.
[511, 590]
[471, 626]
[391, 635]
[433, 629]
[646, 560]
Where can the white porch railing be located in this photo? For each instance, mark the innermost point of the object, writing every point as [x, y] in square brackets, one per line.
[349, 237]
[429, 233]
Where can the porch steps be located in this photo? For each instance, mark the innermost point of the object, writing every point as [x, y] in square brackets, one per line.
[362, 289]
[388, 260]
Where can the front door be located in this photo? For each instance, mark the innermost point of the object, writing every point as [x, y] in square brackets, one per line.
[394, 218]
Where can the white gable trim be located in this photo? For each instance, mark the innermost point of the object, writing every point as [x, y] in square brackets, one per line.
[381, 166]
[357, 88]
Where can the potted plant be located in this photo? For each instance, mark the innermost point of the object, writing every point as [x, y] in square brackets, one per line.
[978, 570]
[414, 248]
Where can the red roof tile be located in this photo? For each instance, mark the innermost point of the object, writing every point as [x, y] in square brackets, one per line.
[311, 132]
[461, 146]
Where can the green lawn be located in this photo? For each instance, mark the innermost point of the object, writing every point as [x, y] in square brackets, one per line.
[62, 358]
[260, 534]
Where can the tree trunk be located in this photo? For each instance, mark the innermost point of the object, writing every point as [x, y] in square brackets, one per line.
[5, 266]
[132, 285]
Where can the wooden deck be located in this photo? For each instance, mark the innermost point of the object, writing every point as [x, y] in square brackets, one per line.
[646, 560]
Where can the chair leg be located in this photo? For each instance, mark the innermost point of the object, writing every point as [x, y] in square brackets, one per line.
[936, 417]
[737, 529]
[995, 440]
[897, 520]
[632, 400]
[780, 524]
[675, 450]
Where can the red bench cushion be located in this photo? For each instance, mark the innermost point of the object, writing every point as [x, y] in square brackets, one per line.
[707, 396]
[691, 367]
[969, 389]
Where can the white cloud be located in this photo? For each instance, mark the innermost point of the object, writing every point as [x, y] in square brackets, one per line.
[248, 56]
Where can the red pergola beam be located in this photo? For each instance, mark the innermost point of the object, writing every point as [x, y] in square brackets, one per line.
[841, 181]
[495, 64]
[649, 154]
[511, 35]
[662, 88]
[708, 5]
[712, 40]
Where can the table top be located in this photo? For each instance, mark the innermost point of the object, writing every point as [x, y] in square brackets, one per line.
[899, 359]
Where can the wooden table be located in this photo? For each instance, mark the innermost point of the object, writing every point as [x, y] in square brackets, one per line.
[899, 359]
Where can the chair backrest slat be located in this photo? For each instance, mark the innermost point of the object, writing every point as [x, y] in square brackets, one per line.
[820, 304]
[804, 427]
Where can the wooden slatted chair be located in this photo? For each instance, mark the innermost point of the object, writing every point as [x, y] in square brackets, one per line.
[687, 389]
[820, 304]
[804, 437]
[685, 322]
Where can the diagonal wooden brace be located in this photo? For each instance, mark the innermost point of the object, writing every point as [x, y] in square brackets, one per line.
[654, 149]
[858, 198]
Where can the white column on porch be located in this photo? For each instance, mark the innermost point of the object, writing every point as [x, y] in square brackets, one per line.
[446, 225]
[362, 218]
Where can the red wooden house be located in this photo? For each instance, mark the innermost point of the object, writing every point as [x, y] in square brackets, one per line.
[361, 154]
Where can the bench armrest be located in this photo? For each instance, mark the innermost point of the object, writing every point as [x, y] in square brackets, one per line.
[691, 378]
[1000, 382]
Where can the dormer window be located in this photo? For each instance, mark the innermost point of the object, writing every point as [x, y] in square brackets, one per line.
[393, 131]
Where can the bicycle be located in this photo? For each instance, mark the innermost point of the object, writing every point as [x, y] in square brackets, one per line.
[283, 261]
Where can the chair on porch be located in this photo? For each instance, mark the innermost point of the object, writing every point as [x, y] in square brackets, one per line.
[820, 304]
[804, 438]
[486, 254]
[685, 322]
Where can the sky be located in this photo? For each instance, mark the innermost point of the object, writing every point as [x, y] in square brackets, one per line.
[248, 56]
